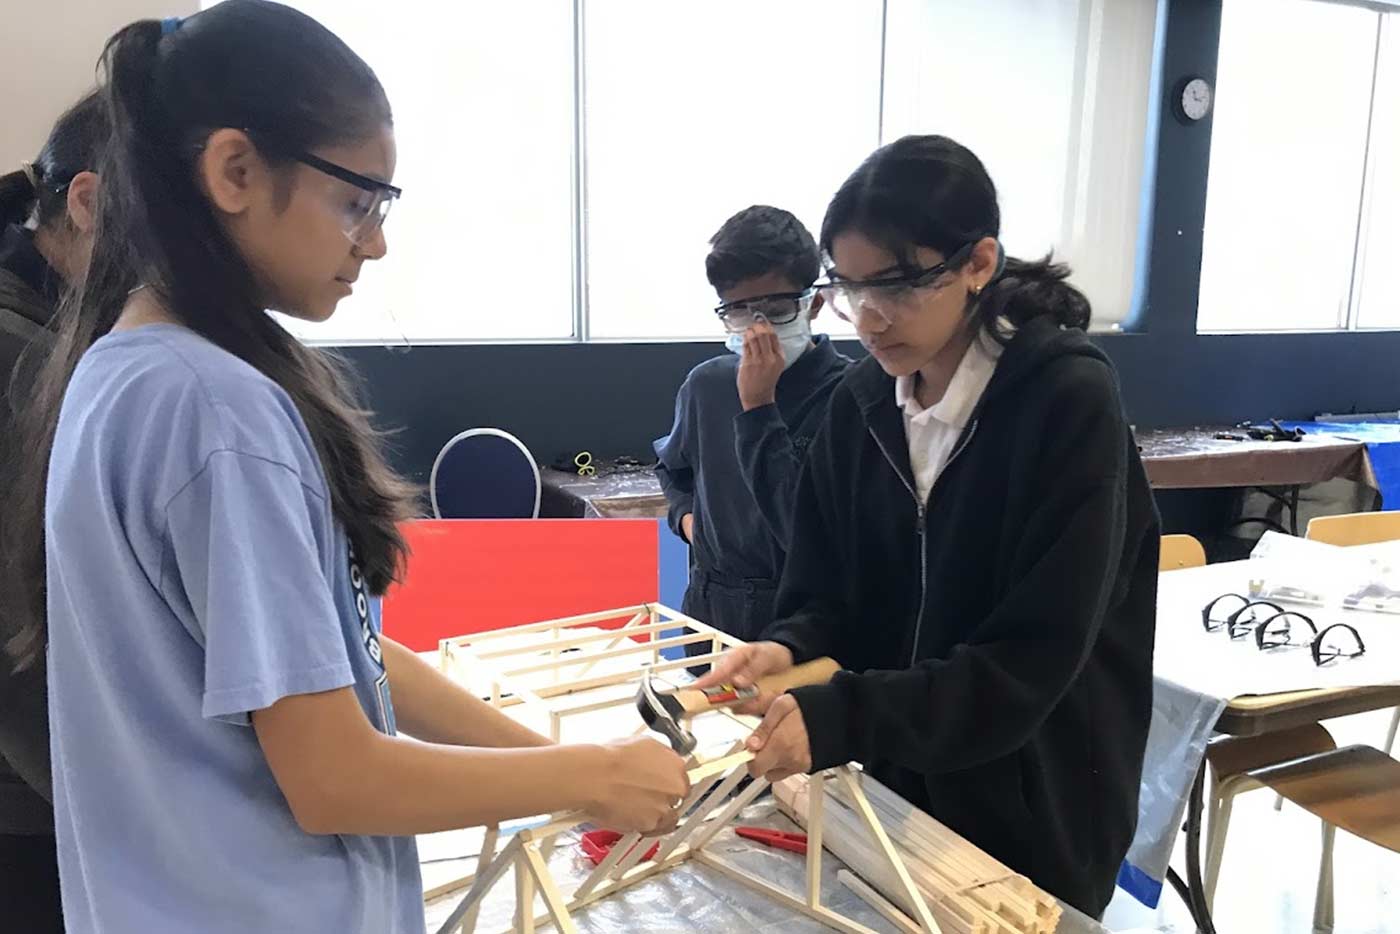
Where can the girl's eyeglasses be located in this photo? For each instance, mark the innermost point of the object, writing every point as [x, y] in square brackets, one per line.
[888, 299]
[363, 214]
[777, 308]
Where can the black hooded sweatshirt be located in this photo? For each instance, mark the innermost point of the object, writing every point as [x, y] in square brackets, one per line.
[997, 639]
[29, 292]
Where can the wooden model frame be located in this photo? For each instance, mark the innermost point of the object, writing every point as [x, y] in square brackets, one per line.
[501, 661]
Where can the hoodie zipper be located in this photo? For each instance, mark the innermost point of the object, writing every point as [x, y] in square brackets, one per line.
[921, 507]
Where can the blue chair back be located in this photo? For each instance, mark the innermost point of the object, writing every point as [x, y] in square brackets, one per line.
[485, 473]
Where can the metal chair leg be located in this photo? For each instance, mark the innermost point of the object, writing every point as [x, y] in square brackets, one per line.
[1390, 737]
[1215, 842]
[1323, 907]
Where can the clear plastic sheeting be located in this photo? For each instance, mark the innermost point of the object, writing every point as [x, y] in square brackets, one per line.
[1301, 571]
[695, 899]
[690, 897]
[1182, 724]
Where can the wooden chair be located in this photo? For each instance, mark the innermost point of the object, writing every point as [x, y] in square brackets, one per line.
[1234, 761]
[1357, 528]
[1361, 528]
[1180, 552]
[1356, 788]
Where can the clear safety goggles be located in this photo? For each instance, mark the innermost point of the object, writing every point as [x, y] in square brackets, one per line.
[365, 203]
[778, 308]
[890, 299]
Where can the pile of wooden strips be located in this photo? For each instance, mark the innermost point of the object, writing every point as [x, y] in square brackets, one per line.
[967, 890]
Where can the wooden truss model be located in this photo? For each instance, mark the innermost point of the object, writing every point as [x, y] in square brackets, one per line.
[551, 672]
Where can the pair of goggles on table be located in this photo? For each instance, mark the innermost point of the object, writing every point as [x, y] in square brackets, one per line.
[888, 299]
[777, 308]
[1275, 627]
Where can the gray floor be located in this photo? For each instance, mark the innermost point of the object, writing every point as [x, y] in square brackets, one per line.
[1269, 874]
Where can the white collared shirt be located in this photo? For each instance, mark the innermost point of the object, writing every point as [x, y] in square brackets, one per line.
[934, 431]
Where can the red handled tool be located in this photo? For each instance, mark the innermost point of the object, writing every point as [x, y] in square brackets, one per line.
[792, 842]
[597, 844]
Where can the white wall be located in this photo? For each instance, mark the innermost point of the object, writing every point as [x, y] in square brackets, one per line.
[51, 50]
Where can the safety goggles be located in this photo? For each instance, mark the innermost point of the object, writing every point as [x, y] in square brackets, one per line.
[1237, 615]
[361, 211]
[777, 308]
[888, 299]
[1277, 628]
[1294, 630]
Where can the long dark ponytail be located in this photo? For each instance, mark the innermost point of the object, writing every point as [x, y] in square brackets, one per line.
[268, 69]
[74, 145]
[932, 192]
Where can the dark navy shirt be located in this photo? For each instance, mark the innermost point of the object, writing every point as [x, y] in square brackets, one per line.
[736, 471]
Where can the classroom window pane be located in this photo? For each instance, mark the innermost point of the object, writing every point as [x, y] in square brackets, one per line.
[694, 112]
[481, 244]
[1060, 122]
[1378, 256]
[1288, 151]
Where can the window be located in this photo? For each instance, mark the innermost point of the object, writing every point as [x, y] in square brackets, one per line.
[481, 244]
[1060, 120]
[1303, 200]
[1378, 253]
[692, 117]
[508, 230]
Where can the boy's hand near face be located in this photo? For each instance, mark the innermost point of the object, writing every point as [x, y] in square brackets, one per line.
[759, 366]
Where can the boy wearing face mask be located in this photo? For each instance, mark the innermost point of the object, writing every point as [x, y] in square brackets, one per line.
[743, 421]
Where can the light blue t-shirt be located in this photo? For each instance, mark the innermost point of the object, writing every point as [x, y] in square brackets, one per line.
[196, 574]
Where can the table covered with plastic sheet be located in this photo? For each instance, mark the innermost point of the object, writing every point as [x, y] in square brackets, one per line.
[690, 898]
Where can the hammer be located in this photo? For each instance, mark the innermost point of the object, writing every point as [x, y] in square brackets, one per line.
[664, 713]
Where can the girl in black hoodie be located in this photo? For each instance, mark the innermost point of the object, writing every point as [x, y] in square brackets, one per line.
[47, 217]
[975, 540]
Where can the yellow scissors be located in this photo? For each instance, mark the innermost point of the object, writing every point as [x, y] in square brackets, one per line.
[584, 463]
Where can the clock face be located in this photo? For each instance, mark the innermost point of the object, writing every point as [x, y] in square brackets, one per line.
[1195, 98]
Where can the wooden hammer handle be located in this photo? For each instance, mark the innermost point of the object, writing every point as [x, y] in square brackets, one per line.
[817, 671]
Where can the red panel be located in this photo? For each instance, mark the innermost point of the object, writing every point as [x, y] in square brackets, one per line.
[473, 575]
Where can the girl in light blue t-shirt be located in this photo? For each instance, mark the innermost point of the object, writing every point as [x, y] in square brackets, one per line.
[206, 522]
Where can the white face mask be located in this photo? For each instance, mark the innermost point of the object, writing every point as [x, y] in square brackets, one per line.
[795, 338]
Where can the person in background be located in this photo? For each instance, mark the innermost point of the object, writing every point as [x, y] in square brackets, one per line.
[730, 465]
[975, 540]
[207, 520]
[47, 215]
[46, 227]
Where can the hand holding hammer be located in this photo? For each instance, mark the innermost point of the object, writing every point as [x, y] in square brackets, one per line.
[666, 712]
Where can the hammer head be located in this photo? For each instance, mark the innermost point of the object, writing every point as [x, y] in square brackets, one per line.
[662, 713]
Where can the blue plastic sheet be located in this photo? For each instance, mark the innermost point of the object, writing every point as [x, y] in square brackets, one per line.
[1382, 440]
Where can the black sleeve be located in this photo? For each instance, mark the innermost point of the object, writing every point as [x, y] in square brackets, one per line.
[24, 725]
[770, 466]
[1019, 662]
[673, 467]
[811, 604]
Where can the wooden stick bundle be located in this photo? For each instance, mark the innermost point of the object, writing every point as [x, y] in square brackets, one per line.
[967, 890]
